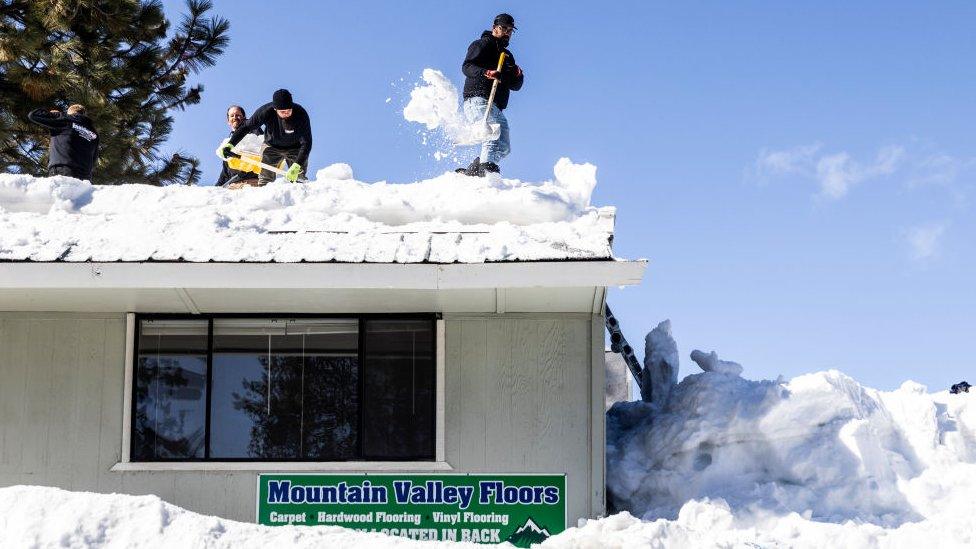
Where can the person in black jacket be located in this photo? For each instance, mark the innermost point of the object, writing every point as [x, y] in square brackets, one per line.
[235, 119]
[287, 135]
[74, 141]
[480, 69]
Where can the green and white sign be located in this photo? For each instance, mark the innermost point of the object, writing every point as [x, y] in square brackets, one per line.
[520, 509]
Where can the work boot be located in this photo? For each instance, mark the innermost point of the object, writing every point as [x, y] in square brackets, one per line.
[473, 169]
[489, 167]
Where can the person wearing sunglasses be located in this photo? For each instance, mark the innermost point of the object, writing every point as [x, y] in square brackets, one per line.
[480, 69]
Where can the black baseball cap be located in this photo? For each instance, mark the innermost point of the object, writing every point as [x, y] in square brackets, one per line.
[504, 19]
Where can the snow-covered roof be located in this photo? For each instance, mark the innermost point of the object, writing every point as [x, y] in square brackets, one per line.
[334, 218]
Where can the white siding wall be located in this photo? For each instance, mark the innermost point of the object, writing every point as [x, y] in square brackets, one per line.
[524, 393]
[525, 402]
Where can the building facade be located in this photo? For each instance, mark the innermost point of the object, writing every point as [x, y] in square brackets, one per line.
[188, 379]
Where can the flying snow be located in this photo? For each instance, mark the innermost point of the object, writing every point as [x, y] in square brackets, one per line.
[437, 105]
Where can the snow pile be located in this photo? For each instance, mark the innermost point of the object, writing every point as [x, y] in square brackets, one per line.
[711, 523]
[23, 193]
[33, 516]
[817, 461]
[339, 171]
[437, 105]
[660, 373]
[43, 218]
[711, 363]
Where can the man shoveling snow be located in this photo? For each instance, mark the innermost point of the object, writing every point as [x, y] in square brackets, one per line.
[490, 75]
[287, 136]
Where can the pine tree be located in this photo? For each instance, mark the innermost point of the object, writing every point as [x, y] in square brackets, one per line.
[112, 56]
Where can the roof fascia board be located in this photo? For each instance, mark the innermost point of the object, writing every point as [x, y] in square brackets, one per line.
[541, 274]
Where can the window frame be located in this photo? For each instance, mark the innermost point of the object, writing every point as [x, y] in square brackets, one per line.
[437, 350]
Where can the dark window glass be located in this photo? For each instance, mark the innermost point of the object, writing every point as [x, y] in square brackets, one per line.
[170, 390]
[285, 389]
[398, 396]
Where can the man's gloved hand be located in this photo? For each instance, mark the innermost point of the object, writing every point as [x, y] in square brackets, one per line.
[224, 150]
[493, 74]
[293, 173]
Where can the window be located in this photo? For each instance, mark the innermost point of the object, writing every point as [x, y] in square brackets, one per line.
[283, 389]
[170, 390]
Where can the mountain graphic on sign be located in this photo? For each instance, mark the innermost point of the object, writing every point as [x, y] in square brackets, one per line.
[527, 534]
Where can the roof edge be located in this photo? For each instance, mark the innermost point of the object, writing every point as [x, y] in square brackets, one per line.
[562, 273]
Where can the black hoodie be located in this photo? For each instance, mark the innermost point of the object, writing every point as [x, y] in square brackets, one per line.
[483, 55]
[74, 142]
[294, 132]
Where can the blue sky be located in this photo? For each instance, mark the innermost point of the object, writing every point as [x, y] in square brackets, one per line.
[800, 175]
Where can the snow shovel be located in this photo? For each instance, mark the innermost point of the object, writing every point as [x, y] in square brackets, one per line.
[247, 165]
[484, 131]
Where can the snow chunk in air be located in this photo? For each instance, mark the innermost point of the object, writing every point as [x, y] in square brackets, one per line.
[437, 105]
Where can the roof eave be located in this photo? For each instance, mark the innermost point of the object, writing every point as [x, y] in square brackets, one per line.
[34, 275]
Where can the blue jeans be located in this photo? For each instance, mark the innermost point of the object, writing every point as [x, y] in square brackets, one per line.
[474, 111]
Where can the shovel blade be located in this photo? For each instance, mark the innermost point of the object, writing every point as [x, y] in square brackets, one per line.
[477, 134]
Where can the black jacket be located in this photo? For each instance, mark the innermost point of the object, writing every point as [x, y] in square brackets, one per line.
[294, 132]
[226, 172]
[483, 55]
[74, 142]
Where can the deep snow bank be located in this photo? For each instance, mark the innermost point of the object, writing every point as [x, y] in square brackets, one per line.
[42, 217]
[819, 460]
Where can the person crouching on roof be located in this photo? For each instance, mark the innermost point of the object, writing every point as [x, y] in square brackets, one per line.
[236, 179]
[287, 136]
[74, 141]
[480, 69]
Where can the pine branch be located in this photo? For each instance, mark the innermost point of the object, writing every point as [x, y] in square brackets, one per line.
[214, 39]
[191, 97]
[187, 26]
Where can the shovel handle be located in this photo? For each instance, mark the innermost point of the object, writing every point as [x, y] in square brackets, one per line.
[501, 61]
[494, 87]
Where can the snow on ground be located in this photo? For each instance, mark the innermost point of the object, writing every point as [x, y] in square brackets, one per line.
[40, 218]
[37, 517]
